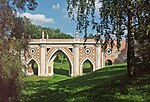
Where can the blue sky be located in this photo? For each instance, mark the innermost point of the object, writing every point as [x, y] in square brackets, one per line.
[53, 13]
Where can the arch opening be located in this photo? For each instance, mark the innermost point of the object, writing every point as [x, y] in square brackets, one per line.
[87, 66]
[108, 62]
[59, 64]
[32, 68]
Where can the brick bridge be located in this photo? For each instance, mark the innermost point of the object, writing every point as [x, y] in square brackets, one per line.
[44, 51]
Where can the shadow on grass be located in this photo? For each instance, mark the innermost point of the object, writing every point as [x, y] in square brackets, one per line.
[61, 71]
[87, 70]
[116, 66]
[110, 84]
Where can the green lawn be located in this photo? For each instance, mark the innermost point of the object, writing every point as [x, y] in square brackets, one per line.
[109, 84]
[61, 69]
[87, 67]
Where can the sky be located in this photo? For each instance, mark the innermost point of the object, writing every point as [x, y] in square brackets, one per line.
[53, 13]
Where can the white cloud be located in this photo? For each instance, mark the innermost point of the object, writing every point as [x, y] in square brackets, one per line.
[56, 7]
[38, 19]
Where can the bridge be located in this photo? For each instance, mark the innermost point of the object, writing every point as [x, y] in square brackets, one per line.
[44, 51]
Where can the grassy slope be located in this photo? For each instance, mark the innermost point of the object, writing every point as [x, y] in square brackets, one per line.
[110, 84]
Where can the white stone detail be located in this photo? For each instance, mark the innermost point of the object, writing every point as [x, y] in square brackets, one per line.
[98, 56]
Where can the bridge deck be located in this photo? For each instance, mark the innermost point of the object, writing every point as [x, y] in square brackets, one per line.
[61, 41]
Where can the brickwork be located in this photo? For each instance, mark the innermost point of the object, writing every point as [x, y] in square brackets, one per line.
[89, 50]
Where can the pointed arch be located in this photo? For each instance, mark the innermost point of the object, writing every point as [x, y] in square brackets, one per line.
[91, 62]
[29, 67]
[52, 58]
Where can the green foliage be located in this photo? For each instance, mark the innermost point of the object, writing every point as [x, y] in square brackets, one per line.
[61, 58]
[90, 36]
[13, 39]
[35, 66]
[81, 11]
[116, 17]
[110, 84]
[35, 32]
[10, 70]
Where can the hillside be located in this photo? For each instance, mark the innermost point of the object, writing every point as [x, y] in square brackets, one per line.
[109, 84]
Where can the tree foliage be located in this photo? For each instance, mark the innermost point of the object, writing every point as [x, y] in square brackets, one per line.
[35, 32]
[13, 38]
[10, 70]
[61, 58]
[116, 17]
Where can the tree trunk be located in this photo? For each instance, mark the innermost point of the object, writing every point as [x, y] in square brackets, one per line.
[130, 51]
[4, 93]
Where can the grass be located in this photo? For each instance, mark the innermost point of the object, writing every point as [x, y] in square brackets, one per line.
[87, 67]
[61, 69]
[109, 84]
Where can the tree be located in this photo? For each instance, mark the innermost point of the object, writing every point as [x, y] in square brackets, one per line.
[116, 17]
[61, 58]
[90, 36]
[13, 38]
[35, 32]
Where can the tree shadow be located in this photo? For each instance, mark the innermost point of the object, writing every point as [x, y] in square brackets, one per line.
[61, 71]
[87, 70]
[117, 66]
[106, 85]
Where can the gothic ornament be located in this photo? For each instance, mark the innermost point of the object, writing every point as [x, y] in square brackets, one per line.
[108, 51]
[87, 51]
[32, 51]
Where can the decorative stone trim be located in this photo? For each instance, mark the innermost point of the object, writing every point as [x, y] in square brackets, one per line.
[79, 53]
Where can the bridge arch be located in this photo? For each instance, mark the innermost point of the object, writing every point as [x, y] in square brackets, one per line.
[30, 65]
[51, 58]
[91, 62]
[109, 61]
[45, 52]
